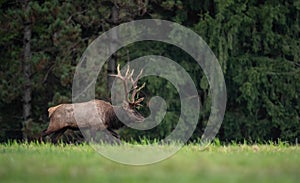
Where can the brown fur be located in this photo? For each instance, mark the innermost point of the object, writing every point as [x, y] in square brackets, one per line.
[95, 115]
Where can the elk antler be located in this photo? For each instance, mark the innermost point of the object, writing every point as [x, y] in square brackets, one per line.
[136, 89]
[129, 76]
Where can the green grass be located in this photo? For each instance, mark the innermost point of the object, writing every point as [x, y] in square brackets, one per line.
[217, 163]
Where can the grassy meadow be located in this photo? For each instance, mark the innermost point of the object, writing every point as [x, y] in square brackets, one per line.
[31, 162]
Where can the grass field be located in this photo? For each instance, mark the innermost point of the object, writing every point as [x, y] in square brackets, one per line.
[81, 163]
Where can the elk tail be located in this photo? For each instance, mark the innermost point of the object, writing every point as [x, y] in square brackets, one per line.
[52, 109]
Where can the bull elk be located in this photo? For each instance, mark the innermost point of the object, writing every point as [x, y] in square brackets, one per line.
[62, 117]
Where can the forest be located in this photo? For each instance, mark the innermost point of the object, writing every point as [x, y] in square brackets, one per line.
[256, 42]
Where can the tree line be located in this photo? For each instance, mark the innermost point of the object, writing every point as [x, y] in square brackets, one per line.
[256, 43]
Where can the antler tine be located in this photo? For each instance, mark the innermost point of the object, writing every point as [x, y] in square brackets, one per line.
[127, 72]
[139, 75]
[118, 75]
[134, 81]
[135, 87]
[124, 79]
[129, 76]
[118, 70]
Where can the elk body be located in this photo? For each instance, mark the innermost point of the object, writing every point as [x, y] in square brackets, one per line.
[95, 115]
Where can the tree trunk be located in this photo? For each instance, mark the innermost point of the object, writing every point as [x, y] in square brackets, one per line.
[111, 67]
[26, 67]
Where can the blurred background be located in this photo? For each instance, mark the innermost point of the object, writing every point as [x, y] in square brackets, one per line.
[256, 42]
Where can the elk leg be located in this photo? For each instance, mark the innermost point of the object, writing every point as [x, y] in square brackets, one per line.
[113, 133]
[92, 134]
[42, 135]
[57, 134]
[45, 133]
[115, 140]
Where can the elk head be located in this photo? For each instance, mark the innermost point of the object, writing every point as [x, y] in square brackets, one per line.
[128, 111]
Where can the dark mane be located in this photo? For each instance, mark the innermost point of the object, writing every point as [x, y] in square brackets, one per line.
[112, 120]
